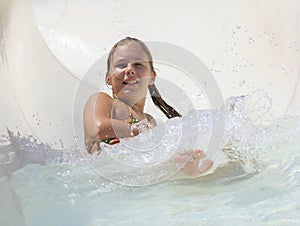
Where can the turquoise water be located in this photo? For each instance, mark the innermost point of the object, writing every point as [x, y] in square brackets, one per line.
[258, 184]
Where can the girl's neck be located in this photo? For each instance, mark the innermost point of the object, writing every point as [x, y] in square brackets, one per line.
[137, 107]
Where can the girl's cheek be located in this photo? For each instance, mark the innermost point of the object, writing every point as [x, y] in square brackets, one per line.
[119, 74]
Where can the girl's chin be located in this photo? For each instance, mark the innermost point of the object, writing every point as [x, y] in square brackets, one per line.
[130, 96]
[131, 89]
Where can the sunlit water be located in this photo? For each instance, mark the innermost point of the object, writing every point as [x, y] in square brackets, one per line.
[255, 181]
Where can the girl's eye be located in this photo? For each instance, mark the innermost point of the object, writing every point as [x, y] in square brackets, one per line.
[121, 65]
[138, 65]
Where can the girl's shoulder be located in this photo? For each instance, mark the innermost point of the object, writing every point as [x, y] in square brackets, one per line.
[98, 102]
[99, 98]
[97, 107]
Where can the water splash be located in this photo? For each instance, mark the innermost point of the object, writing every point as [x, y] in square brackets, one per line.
[244, 136]
[259, 174]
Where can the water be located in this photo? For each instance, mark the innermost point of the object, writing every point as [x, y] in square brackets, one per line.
[258, 183]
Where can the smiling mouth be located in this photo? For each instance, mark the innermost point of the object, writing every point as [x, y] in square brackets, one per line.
[133, 82]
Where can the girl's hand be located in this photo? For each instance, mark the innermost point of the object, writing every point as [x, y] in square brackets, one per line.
[191, 160]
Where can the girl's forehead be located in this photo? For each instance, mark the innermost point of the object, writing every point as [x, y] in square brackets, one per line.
[130, 51]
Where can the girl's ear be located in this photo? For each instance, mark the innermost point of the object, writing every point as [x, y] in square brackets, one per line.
[108, 80]
[153, 77]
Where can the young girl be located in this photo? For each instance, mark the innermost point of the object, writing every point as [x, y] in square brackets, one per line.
[130, 73]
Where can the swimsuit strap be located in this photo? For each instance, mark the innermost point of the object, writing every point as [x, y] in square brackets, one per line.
[132, 120]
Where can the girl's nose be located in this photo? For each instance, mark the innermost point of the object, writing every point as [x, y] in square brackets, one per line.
[129, 69]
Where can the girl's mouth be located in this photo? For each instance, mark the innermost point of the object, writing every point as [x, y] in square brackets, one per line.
[131, 82]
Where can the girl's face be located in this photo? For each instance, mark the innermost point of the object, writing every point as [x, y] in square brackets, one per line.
[130, 72]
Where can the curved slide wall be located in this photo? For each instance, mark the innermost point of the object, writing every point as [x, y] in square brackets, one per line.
[47, 46]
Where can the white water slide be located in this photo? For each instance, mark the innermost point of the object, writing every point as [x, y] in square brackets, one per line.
[48, 46]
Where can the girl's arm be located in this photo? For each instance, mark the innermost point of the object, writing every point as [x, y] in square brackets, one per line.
[98, 122]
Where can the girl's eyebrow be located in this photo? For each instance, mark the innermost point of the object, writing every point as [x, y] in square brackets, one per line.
[121, 60]
[140, 60]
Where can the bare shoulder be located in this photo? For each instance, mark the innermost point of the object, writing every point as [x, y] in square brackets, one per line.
[97, 106]
[97, 98]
